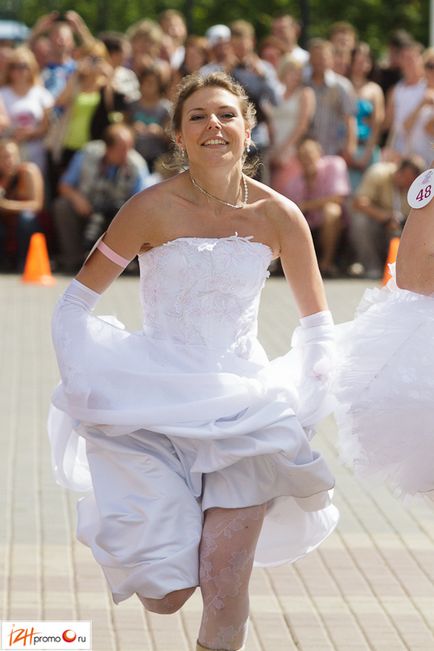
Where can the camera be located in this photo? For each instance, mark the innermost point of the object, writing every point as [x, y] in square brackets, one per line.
[61, 17]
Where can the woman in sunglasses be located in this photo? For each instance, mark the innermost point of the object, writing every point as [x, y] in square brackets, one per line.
[27, 105]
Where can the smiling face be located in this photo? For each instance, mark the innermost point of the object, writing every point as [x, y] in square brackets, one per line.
[213, 130]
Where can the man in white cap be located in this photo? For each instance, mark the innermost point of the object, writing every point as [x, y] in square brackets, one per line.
[219, 39]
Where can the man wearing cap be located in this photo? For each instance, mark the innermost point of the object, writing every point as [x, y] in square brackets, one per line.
[99, 179]
[223, 58]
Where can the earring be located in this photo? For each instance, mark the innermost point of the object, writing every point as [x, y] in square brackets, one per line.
[247, 148]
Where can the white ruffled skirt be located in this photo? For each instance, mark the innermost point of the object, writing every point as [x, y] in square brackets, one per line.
[157, 432]
[385, 390]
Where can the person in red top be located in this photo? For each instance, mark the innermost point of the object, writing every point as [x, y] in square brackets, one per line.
[21, 198]
[320, 190]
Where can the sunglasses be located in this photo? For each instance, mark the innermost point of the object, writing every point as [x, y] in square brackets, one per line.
[429, 65]
[19, 66]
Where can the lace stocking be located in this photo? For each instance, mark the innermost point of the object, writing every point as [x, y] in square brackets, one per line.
[226, 558]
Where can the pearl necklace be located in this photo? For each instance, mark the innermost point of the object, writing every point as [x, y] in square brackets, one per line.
[226, 203]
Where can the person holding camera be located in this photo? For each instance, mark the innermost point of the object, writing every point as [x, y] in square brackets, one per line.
[98, 180]
[63, 31]
[60, 29]
[89, 104]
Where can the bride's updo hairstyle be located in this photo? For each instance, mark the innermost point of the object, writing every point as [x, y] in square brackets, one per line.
[192, 83]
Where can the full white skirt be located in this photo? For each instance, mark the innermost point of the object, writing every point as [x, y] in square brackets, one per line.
[385, 390]
[157, 432]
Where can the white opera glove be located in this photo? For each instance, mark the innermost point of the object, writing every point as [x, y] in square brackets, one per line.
[71, 329]
[78, 294]
[72, 308]
[314, 340]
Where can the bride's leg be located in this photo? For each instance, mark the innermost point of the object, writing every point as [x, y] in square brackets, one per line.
[168, 604]
[227, 550]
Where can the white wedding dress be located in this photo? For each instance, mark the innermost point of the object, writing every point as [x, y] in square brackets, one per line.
[187, 414]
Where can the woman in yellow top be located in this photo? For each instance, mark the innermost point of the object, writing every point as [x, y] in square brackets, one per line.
[88, 102]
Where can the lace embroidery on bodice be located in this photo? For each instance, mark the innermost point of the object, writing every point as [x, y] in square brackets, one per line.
[204, 291]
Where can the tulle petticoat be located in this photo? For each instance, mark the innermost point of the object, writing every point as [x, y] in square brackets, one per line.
[385, 390]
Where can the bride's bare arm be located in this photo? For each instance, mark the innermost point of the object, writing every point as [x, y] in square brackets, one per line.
[415, 261]
[125, 237]
[314, 338]
[299, 261]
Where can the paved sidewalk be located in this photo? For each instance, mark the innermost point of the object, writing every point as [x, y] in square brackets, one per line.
[369, 587]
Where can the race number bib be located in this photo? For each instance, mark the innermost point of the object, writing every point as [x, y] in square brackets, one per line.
[421, 191]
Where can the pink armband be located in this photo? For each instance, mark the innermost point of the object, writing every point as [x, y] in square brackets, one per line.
[111, 255]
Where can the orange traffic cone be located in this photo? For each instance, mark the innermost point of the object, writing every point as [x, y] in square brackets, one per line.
[391, 258]
[37, 268]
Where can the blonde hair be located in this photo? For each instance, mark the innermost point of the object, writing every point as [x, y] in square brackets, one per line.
[95, 49]
[22, 54]
[286, 62]
[147, 29]
[242, 28]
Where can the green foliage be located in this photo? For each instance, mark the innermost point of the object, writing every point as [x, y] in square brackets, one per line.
[374, 19]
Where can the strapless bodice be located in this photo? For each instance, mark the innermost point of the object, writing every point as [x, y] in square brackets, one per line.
[204, 291]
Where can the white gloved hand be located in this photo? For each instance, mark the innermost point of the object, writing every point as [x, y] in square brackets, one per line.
[70, 330]
[314, 340]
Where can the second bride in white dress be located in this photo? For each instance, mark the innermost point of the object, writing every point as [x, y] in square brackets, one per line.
[385, 369]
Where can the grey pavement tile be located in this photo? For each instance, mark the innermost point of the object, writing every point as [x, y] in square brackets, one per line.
[369, 587]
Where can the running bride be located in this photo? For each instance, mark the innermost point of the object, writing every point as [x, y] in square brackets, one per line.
[193, 447]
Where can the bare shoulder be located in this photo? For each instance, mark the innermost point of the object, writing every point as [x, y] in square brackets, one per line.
[284, 216]
[372, 87]
[30, 169]
[157, 196]
[146, 211]
[277, 205]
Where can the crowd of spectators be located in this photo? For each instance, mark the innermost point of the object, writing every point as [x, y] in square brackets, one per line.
[83, 126]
